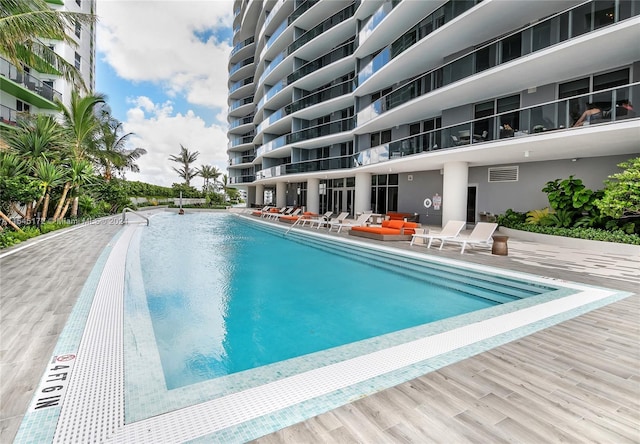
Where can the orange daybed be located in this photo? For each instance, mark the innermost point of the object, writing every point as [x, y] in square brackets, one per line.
[292, 219]
[390, 230]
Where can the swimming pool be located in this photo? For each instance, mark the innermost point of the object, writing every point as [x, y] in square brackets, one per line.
[249, 297]
[117, 387]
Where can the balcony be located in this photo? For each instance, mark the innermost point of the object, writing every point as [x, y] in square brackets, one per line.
[328, 93]
[235, 123]
[241, 45]
[240, 83]
[239, 65]
[234, 180]
[327, 129]
[239, 160]
[377, 18]
[308, 166]
[272, 65]
[240, 140]
[437, 19]
[8, 116]
[338, 53]
[329, 23]
[26, 87]
[304, 7]
[557, 29]
[240, 102]
[544, 119]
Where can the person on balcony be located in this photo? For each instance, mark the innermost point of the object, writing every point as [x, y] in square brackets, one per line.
[591, 115]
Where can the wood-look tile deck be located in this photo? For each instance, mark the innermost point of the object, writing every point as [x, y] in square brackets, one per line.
[577, 381]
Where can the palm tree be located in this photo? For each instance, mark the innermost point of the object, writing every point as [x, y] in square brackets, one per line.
[110, 152]
[49, 175]
[24, 24]
[208, 172]
[82, 126]
[186, 159]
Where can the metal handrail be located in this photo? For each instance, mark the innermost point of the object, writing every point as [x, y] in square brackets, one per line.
[124, 216]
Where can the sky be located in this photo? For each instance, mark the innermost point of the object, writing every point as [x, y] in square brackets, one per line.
[163, 66]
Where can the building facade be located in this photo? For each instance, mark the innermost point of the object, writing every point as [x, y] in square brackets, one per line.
[28, 91]
[448, 109]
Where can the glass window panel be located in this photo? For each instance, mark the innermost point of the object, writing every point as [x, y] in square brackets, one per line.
[484, 109]
[611, 79]
[486, 58]
[414, 129]
[351, 182]
[541, 36]
[393, 179]
[625, 8]
[604, 13]
[511, 48]
[581, 20]
[382, 179]
[508, 103]
[573, 88]
[392, 199]
[564, 26]
[428, 125]
[381, 206]
[385, 137]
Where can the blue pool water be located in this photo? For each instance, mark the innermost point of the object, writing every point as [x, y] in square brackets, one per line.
[225, 295]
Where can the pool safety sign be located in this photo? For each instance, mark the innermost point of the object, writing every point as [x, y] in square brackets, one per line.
[53, 385]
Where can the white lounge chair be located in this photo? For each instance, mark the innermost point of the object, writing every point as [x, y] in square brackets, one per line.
[451, 229]
[480, 235]
[336, 220]
[315, 220]
[295, 212]
[360, 221]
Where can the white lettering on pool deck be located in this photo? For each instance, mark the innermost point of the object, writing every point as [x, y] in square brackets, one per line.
[53, 384]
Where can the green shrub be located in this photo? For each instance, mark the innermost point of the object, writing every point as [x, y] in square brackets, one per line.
[618, 236]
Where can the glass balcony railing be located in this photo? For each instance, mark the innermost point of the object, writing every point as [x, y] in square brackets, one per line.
[433, 21]
[322, 96]
[240, 140]
[273, 12]
[241, 179]
[523, 122]
[272, 145]
[273, 118]
[273, 37]
[239, 84]
[241, 45]
[329, 23]
[29, 82]
[338, 53]
[272, 65]
[326, 129]
[301, 9]
[377, 18]
[239, 65]
[240, 102]
[333, 163]
[559, 28]
[238, 160]
[275, 89]
[241, 121]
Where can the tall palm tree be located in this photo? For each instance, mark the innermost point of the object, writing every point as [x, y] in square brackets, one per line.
[209, 173]
[82, 125]
[24, 24]
[186, 159]
[49, 175]
[110, 151]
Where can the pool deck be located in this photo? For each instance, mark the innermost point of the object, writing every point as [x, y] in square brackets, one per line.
[577, 381]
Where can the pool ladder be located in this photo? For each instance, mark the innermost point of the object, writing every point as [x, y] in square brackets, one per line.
[124, 215]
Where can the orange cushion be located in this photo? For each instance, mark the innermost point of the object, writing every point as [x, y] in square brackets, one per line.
[410, 225]
[385, 223]
[377, 230]
[396, 224]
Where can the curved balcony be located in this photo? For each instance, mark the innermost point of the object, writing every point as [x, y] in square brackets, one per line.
[334, 55]
[308, 166]
[235, 142]
[510, 49]
[241, 161]
[323, 27]
[241, 121]
[327, 129]
[235, 68]
[518, 124]
[433, 21]
[235, 180]
[239, 84]
[301, 9]
[245, 44]
[272, 65]
[273, 118]
[331, 92]
[26, 87]
[272, 145]
[383, 11]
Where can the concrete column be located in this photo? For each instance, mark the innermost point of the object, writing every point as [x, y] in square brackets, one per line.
[313, 195]
[281, 194]
[363, 193]
[259, 195]
[454, 191]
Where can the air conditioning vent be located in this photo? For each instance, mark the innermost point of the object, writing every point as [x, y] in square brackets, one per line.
[503, 174]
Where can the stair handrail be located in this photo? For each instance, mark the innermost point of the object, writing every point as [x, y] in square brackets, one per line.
[127, 209]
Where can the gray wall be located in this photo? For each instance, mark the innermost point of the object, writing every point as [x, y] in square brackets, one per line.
[411, 195]
[526, 194]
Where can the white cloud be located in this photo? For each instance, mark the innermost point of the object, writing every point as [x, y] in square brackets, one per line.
[161, 41]
[161, 133]
[171, 44]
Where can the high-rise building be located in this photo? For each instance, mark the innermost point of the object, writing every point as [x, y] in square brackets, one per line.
[28, 91]
[448, 109]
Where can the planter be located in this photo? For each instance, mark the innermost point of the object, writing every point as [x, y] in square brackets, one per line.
[571, 242]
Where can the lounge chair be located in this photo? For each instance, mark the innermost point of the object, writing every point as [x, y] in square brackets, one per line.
[480, 235]
[451, 229]
[315, 220]
[287, 216]
[359, 222]
[390, 230]
[335, 220]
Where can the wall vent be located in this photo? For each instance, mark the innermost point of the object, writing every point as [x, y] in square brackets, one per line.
[503, 174]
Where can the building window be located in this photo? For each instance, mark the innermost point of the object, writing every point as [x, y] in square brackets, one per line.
[78, 29]
[384, 193]
[78, 61]
[380, 138]
[22, 107]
